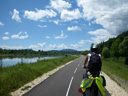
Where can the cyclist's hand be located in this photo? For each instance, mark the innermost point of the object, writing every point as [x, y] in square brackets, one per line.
[84, 67]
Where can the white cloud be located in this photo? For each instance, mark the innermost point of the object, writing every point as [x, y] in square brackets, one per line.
[11, 47]
[79, 45]
[53, 46]
[70, 15]
[76, 46]
[60, 46]
[37, 46]
[59, 5]
[6, 33]
[5, 38]
[100, 35]
[74, 28]
[33, 46]
[81, 42]
[39, 14]
[15, 15]
[48, 37]
[56, 22]
[42, 44]
[20, 35]
[62, 36]
[1, 24]
[112, 16]
[42, 26]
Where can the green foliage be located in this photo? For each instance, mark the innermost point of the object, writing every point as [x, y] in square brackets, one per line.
[11, 78]
[85, 52]
[116, 70]
[113, 44]
[123, 49]
[100, 47]
[105, 52]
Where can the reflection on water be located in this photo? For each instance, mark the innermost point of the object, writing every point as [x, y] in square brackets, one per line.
[7, 62]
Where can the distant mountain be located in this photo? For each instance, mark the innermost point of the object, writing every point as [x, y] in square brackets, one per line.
[69, 50]
[63, 50]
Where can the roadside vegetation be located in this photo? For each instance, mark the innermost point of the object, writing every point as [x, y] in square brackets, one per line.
[117, 70]
[30, 52]
[12, 78]
[115, 58]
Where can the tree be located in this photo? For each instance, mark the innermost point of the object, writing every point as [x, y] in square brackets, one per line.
[100, 47]
[105, 52]
[123, 49]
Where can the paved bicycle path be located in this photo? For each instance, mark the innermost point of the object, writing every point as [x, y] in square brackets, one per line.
[64, 82]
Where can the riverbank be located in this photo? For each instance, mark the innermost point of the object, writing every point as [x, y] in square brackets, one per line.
[14, 77]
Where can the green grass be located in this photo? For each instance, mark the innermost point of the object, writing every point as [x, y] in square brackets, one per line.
[26, 88]
[115, 68]
[12, 78]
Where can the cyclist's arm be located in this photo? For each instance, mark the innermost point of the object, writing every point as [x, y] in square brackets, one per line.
[101, 61]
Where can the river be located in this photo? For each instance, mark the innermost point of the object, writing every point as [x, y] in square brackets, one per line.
[9, 61]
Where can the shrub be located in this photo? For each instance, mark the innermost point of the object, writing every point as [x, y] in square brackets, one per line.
[105, 52]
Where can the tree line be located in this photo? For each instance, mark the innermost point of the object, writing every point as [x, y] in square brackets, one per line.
[115, 47]
[39, 52]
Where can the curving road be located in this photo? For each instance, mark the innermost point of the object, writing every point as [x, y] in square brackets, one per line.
[64, 82]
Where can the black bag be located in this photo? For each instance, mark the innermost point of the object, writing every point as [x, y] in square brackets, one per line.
[94, 63]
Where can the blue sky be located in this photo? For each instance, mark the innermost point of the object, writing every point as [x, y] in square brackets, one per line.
[60, 24]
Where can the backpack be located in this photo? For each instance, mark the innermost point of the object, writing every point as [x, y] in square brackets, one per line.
[95, 63]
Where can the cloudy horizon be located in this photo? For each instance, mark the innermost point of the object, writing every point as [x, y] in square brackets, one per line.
[60, 24]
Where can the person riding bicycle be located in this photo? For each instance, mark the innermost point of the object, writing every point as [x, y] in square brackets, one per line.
[93, 82]
[95, 57]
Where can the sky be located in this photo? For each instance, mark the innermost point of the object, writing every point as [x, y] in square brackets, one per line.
[60, 24]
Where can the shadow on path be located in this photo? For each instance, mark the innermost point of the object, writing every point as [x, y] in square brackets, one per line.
[107, 93]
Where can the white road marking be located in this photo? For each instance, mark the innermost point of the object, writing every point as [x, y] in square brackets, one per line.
[78, 65]
[75, 70]
[80, 62]
[73, 77]
[69, 86]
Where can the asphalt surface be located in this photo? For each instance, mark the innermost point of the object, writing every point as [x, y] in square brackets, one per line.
[64, 82]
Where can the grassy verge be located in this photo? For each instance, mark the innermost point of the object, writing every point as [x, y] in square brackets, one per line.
[14, 77]
[116, 70]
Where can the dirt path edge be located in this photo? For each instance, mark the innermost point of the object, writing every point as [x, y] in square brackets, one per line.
[113, 88]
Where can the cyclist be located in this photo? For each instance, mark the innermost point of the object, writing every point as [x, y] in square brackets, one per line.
[93, 68]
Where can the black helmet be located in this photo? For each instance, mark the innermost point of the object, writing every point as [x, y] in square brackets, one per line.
[94, 48]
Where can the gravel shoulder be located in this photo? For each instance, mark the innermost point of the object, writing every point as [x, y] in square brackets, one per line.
[111, 86]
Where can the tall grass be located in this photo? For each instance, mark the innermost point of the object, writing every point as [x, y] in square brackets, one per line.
[117, 70]
[11, 78]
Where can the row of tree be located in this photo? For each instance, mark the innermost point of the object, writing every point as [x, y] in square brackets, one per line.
[39, 52]
[115, 47]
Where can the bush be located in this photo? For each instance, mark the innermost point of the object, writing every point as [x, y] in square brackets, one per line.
[105, 52]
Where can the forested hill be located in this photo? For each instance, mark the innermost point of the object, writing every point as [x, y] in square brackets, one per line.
[116, 46]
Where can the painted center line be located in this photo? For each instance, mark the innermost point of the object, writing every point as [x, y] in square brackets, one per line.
[75, 70]
[69, 86]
